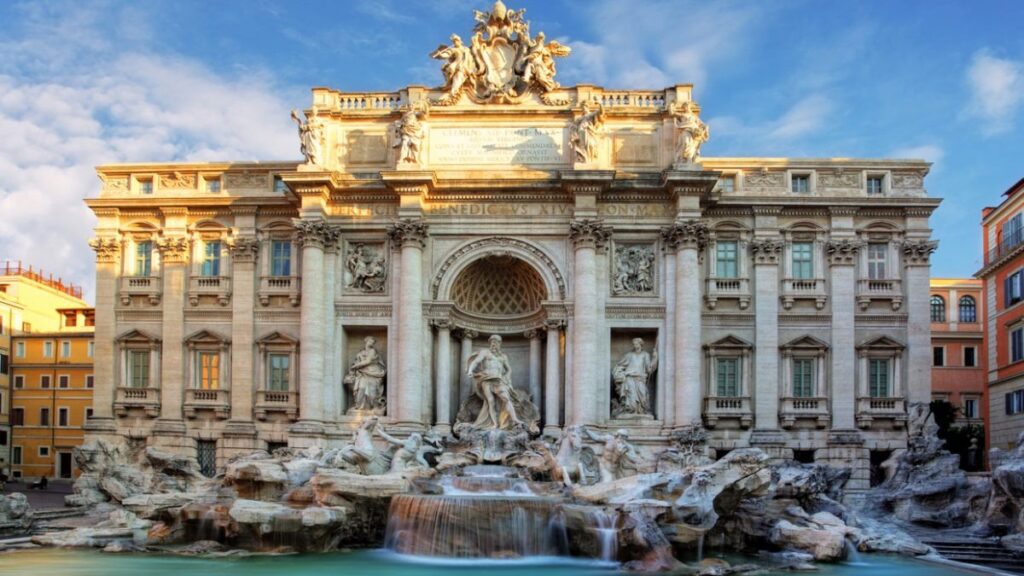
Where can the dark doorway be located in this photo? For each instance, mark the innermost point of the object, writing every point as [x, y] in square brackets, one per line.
[877, 472]
[64, 463]
[804, 456]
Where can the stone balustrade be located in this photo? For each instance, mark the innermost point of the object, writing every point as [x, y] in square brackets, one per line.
[287, 286]
[793, 409]
[723, 288]
[728, 408]
[146, 286]
[794, 289]
[277, 401]
[217, 401]
[870, 410]
[890, 289]
[217, 286]
[127, 398]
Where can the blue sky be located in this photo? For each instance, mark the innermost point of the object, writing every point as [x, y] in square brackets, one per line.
[85, 83]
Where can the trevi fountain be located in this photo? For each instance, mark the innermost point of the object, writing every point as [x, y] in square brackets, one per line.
[622, 399]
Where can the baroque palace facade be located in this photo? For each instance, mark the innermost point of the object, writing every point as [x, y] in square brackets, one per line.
[635, 285]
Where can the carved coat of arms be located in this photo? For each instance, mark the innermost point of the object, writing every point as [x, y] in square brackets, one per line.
[502, 64]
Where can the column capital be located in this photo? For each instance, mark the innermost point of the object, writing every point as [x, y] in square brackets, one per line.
[315, 233]
[531, 334]
[468, 334]
[686, 234]
[244, 249]
[408, 232]
[108, 250]
[554, 324]
[919, 252]
[589, 233]
[843, 252]
[766, 250]
[174, 249]
[441, 323]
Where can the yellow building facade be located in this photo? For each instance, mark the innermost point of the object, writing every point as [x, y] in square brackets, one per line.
[36, 308]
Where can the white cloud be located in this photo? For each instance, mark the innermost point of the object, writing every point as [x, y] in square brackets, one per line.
[997, 91]
[90, 104]
[662, 44]
[928, 152]
[805, 117]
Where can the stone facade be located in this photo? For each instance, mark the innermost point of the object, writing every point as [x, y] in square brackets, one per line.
[430, 219]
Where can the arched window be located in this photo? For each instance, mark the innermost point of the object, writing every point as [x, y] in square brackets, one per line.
[968, 309]
[938, 309]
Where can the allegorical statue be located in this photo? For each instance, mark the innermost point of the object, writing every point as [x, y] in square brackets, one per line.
[693, 132]
[584, 132]
[495, 404]
[631, 375]
[409, 134]
[537, 62]
[408, 453]
[618, 457]
[366, 270]
[311, 133]
[362, 454]
[366, 378]
[459, 69]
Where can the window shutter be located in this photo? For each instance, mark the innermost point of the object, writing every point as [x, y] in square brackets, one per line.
[1008, 408]
[1006, 292]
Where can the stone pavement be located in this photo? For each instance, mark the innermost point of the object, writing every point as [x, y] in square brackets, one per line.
[52, 497]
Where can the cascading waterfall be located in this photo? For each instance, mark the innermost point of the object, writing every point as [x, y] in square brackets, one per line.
[484, 515]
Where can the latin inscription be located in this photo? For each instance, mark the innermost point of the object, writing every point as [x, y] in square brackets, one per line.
[542, 209]
[499, 145]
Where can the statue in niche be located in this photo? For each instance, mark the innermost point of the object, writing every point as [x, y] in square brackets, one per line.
[693, 132]
[631, 376]
[366, 379]
[409, 134]
[495, 404]
[366, 268]
[585, 130]
[460, 67]
[618, 457]
[311, 134]
[634, 270]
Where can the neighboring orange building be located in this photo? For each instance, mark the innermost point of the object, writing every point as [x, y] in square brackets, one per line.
[958, 346]
[1003, 275]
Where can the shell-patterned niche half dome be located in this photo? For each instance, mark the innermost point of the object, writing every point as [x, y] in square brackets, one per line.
[499, 286]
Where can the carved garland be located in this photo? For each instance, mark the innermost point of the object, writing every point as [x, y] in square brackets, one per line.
[500, 241]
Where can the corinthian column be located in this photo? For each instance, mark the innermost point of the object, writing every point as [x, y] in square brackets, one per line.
[552, 375]
[174, 258]
[917, 260]
[586, 235]
[108, 255]
[313, 236]
[766, 254]
[842, 255]
[688, 238]
[243, 277]
[444, 375]
[410, 234]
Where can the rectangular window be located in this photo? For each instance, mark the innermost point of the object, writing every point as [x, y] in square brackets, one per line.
[63, 381]
[970, 408]
[88, 413]
[16, 456]
[65, 349]
[1017, 344]
[90, 381]
[1012, 231]
[47, 349]
[726, 260]
[875, 184]
[19, 349]
[803, 378]
[877, 257]
[728, 377]
[878, 378]
[1013, 288]
[62, 417]
[279, 186]
[207, 370]
[938, 356]
[801, 183]
[280, 258]
[803, 260]
[1014, 402]
[19, 381]
[728, 184]
[138, 368]
[277, 371]
[26, 327]
[213, 185]
[44, 416]
[44, 381]
[70, 319]
[17, 416]
[144, 258]
[44, 451]
[91, 348]
[206, 454]
[970, 357]
[211, 259]
[5, 364]
[3, 437]
[145, 186]
[90, 319]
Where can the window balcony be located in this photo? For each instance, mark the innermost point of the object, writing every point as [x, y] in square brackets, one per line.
[127, 398]
[728, 408]
[287, 286]
[794, 289]
[814, 409]
[217, 401]
[216, 286]
[868, 290]
[275, 401]
[727, 288]
[147, 286]
[871, 410]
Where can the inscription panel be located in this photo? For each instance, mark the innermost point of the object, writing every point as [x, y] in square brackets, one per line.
[505, 146]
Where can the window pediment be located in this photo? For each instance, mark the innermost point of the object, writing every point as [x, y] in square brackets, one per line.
[805, 343]
[208, 337]
[881, 344]
[136, 337]
[730, 342]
